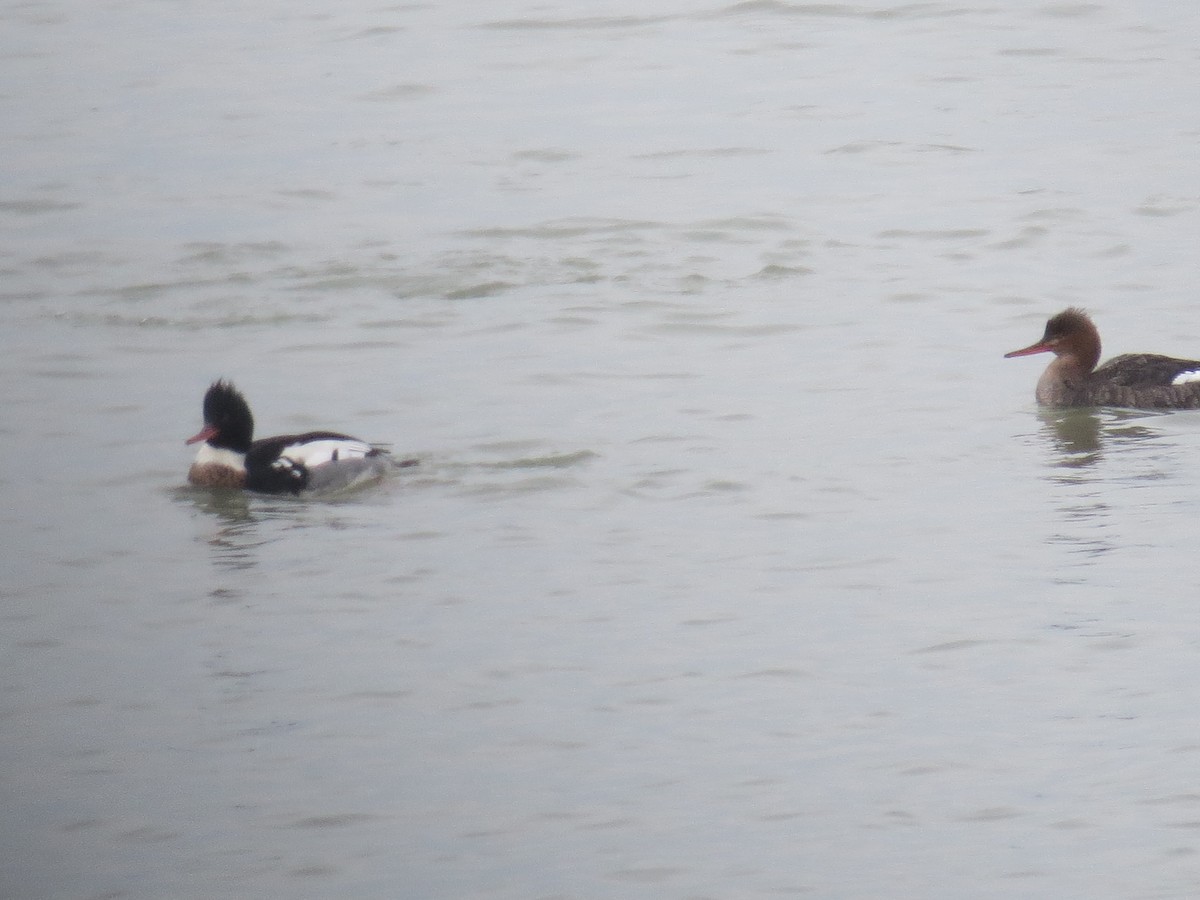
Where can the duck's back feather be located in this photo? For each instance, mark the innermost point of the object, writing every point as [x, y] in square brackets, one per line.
[1145, 370]
[316, 461]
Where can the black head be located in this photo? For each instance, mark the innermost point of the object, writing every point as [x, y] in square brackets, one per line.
[227, 419]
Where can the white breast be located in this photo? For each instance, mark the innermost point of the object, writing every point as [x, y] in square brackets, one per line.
[209, 455]
[1186, 377]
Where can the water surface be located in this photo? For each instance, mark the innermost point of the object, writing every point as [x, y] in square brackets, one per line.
[738, 562]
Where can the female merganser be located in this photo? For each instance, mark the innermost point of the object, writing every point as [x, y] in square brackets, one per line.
[1135, 380]
[288, 464]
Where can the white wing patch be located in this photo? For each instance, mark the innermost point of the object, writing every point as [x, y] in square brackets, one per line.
[319, 453]
[331, 464]
[1186, 377]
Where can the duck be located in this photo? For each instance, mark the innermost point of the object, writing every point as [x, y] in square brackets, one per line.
[1132, 381]
[313, 462]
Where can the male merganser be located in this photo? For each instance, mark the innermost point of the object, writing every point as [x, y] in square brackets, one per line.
[288, 464]
[1134, 380]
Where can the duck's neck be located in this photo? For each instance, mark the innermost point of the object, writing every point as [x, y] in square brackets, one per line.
[1064, 381]
[1085, 351]
[208, 455]
[216, 467]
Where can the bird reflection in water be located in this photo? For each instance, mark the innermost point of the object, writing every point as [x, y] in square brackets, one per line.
[237, 538]
[1080, 435]
[1081, 439]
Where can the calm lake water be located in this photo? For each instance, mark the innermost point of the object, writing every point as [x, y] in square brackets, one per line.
[738, 562]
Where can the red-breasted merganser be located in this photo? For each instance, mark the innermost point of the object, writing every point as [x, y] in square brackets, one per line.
[1134, 380]
[316, 461]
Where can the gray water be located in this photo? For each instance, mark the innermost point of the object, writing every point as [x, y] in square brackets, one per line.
[738, 562]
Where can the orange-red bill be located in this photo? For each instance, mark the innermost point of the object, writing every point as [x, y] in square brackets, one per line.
[208, 431]
[1039, 347]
